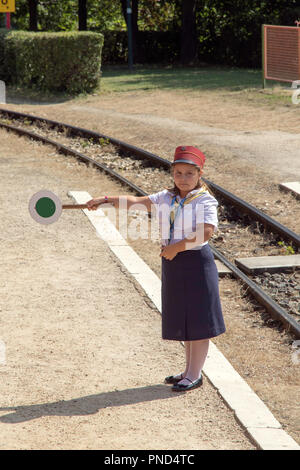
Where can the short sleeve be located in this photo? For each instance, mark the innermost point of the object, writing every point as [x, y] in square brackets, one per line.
[158, 198]
[210, 210]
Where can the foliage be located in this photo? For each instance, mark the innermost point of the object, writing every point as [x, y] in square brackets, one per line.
[231, 31]
[228, 32]
[154, 47]
[58, 15]
[64, 62]
[287, 249]
[159, 15]
[3, 73]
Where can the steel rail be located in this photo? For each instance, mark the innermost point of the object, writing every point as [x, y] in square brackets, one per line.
[79, 131]
[249, 209]
[264, 299]
[68, 151]
[269, 223]
[261, 296]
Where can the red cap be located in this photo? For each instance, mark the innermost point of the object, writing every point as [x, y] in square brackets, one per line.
[190, 155]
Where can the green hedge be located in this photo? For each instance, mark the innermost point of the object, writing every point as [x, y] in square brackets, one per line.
[60, 62]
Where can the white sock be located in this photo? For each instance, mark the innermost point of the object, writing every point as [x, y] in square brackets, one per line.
[198, 354]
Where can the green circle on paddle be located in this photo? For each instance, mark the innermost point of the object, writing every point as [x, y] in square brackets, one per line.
[45, 207]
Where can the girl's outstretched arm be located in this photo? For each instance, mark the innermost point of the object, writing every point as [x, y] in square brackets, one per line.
[125, 202]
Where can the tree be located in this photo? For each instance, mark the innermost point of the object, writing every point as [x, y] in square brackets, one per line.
[188, 49]
[159, 15]
[33, 16]
[82, 15]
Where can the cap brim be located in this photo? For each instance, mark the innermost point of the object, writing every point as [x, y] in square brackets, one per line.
[185, 161]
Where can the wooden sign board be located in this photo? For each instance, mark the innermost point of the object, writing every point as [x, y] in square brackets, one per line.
[281, 53]
[7, 6]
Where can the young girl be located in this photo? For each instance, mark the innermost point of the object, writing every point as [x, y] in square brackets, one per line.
[191, 309]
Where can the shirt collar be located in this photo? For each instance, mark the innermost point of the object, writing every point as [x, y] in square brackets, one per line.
[178, 198]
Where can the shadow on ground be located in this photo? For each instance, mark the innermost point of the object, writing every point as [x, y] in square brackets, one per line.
[86, 405]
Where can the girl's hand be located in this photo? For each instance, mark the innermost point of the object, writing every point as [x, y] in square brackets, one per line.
[169, 252]
[93, 204]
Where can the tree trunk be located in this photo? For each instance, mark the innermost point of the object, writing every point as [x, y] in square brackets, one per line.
[33, 18]
[188, 49]
[82, 15]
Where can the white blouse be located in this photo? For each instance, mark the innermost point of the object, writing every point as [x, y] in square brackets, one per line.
[202, 209]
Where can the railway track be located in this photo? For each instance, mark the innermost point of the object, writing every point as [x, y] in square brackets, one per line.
[152, 172]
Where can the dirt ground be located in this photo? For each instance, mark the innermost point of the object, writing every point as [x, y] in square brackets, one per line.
[250, 148]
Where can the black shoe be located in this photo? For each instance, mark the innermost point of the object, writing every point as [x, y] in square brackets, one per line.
[172, 379]
[177, 387]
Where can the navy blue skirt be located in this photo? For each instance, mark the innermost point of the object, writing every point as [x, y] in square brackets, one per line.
[191, 307]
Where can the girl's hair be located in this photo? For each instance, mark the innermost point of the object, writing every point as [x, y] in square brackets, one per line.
[199, 185]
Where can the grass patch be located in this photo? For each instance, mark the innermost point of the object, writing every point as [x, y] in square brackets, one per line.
[242, 84]
[245, 84]
[209, 78]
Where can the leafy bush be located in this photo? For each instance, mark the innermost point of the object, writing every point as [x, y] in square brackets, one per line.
[64, 62]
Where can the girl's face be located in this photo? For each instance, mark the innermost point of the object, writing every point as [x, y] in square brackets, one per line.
[186, 177]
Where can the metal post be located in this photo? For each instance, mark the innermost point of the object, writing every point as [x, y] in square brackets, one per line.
[129, 30]
[263, 55]
[7, 20]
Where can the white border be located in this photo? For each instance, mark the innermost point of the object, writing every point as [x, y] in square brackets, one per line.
[32, 207]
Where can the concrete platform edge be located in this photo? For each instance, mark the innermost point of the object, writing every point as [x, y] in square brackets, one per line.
[293, 187]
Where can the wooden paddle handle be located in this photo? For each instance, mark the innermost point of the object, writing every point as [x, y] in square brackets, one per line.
[74, 206]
